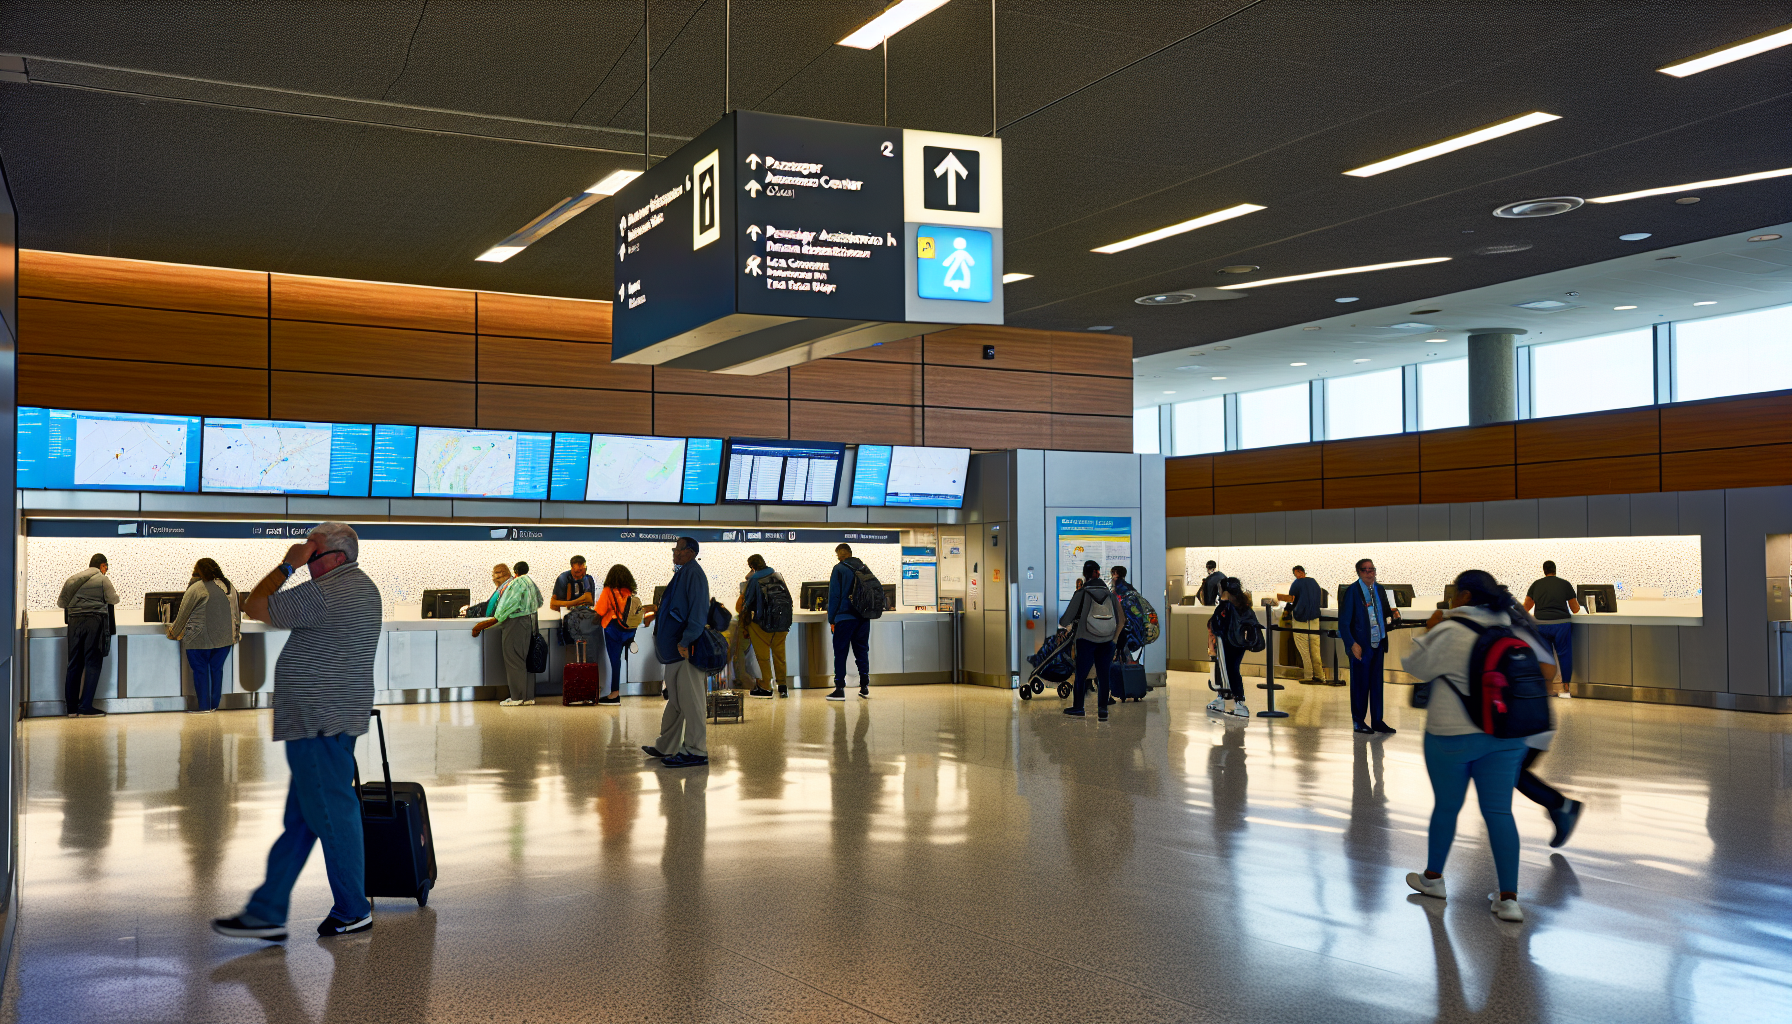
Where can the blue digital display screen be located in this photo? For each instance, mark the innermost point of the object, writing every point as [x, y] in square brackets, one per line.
[286, 457]
[66, 449]
[566, 477]
[462, 462]
[394, 460]
[912, 477]
[702, 470]
[777, 472]
[870, 473]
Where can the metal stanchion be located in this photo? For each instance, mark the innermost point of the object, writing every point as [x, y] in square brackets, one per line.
[1269, 683]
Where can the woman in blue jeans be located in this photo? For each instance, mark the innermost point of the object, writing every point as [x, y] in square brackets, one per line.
[612, 612]
[1456, 749]
[208, 624]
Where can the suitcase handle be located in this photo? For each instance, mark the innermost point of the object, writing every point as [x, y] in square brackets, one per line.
[385, 767]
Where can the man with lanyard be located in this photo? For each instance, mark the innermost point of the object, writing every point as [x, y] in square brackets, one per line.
[1364, 617]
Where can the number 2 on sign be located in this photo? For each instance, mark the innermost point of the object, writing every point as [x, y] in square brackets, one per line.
[889, 149]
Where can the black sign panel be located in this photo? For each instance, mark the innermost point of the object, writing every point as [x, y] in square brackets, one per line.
[950, 179]
[820, 230]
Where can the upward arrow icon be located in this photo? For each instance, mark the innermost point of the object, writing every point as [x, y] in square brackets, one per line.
[953, 170]
[753, 160]
[753, 188]
[753, 230]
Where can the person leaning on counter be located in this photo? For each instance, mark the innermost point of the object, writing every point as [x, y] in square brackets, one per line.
[512, 610]
[86, 601]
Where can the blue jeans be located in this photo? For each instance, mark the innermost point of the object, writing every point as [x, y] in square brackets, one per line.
[1493, 763]
[208, 674]
[320, 805]
[854, 634]
[615, 639]
[1560, 637]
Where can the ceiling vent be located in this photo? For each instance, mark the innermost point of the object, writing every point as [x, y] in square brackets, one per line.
[1546, 305]
[1166, 299]
[1550, 207]
[1503, 247]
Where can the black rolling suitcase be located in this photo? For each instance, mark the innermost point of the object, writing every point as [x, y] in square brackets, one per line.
[400, 849]
[1126, 680]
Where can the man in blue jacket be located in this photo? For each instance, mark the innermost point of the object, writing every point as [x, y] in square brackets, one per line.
[679, 619]
[849, 630]
[1364, 617]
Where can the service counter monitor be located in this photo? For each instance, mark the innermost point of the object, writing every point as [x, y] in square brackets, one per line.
[446, 604]
[814, 597]
[1597, 597]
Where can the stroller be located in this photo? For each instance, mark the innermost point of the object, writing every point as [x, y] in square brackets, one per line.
[1054, 662]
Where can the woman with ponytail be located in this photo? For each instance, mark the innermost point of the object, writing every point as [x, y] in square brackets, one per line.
[1456, 749]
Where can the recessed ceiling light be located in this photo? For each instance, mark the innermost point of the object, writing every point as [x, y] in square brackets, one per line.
[1011, 278]
[1708, 303]
[1768, 40]
[1763, 238]
[1176, 229]
[1410, 326]
[498, 253]
[1450, 145]
[1349, 298]
[1525, 209]
[1687, 200]
[1545, 305]
[892, 21]
[612, 183]
[1192, 366]
[1623, 307]
[1435, 341]
[1167, 299]
[1297, 364]
[1103, 327]
[1634, 236]
[1334, 273]
[1688, 187]
[1501, 248]
[1239, 268]
[1219, 378]
[1660, 258]
[1359, 360]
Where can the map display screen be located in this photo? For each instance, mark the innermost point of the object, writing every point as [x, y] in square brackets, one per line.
[782, 472]
[456, 462]
[394, 460]
[914, 477]
[286, 457]
[640, 469]
[65, 449]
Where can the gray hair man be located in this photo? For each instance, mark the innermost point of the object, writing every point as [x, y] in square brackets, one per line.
[679, 619]
[323, 694]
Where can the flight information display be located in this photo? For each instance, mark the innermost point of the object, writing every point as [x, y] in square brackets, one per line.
[566, 475]
[394, 460]
[65, 449]
[914, 477]
[286, 457]
[783, 472]
[702, 470]
[635, 468]
[457, 462]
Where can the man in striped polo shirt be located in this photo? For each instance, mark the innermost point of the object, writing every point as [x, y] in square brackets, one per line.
[323, 696]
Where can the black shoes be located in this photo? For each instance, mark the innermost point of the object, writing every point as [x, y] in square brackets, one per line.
[1360, 727]
[237, 928]
[783, 691]
[1384, 728]
[614, 698]
[1074, 712]
[864, 694]
[837, 695]
[1565, 819]
[761, 692]
[653, 752]
[684, 761]
[334, 925]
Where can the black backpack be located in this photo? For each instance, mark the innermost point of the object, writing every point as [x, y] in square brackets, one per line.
[866, 598]
[776, 610]
[1243, 630]
[720, 618]
[1507, 695]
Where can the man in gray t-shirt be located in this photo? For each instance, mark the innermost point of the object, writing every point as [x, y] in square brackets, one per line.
[86, 601]
[1551, 601]
[323, 693]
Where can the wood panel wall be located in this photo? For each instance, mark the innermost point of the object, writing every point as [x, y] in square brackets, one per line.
[1693, 446]
[137, 336]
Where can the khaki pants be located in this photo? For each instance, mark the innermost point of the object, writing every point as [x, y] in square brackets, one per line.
[683, 729]
[768, 650]
[1307, 644]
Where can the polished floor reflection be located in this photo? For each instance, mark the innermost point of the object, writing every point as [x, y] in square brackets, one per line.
[937, 853]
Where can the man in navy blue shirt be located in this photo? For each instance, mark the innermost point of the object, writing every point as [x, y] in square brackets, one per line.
[849, 630]
[1304, 596]
[678, 621]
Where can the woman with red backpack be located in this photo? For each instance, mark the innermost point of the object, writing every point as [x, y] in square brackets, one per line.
[1469, 719]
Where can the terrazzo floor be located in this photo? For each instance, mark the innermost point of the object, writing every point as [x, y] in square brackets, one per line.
[934, 854]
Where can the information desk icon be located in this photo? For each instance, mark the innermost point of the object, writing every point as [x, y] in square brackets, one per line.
[954, 263]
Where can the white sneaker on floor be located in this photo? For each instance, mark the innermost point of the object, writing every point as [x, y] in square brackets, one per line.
[510, 702]
[1505, 910]
[527, 703]
[1217, 705]
[1425, 886]
[1239, 710]
[1565, 695]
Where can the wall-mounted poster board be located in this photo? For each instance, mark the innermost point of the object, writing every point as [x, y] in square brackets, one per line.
[1106, 539]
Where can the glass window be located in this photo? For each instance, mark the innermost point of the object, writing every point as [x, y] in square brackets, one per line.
[1612, 371]
[1199, 427]
[1443, 394]
[1144, 431]
[1274, 416]
[1364, 404]
[1733, 355]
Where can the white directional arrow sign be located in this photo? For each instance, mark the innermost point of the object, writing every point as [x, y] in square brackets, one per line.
[753, 230]
[953, 170]
[687, 183]
[753, 160]
[621, 251]
[753, 189]
[753, 265]
[619, 294]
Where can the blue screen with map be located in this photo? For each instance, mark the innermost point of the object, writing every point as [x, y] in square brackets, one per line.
[286, 457]
[66, 449]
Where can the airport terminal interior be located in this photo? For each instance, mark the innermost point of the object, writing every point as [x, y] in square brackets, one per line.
[897, 510]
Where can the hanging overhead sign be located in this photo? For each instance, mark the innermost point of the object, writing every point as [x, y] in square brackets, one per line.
[772, 240]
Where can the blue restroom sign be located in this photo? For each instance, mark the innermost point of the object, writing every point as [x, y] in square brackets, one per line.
[954, 263]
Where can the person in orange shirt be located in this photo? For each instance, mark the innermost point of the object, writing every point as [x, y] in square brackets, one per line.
[617, 606]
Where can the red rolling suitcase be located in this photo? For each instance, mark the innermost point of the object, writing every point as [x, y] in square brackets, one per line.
[395, 833]
[579, 685]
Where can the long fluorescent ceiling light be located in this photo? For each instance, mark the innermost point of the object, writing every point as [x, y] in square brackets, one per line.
[1689, 186]
[1772, 39]
[1450, 145]
[1176, 229]
[892, 21]
[1334, 273]
[563, 211]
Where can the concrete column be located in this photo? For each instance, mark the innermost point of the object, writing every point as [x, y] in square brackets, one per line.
[1492, 375]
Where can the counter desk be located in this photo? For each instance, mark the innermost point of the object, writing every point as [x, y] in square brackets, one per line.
[422, 661]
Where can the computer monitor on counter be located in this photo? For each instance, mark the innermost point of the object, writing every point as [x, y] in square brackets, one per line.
[1597, 597]
[446, 604]
[814, 597]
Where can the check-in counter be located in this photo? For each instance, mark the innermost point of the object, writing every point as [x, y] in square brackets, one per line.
[422, 661]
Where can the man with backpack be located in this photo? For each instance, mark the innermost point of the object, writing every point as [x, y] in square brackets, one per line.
[769, 611]
[855, 597]
[1212, 585]
[1095, 614]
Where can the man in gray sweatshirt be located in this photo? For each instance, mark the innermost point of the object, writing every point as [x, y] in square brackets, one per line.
[86, 600]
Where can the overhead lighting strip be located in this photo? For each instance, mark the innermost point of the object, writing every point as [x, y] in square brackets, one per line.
[1176, 229]
[1451, 145]
[563, 211]
[892, 21]
[1772, 39]
[1689, 186]
[1333, 273]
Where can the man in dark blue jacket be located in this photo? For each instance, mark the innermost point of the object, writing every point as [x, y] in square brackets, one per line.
[849, 630]
[1365, 616]
[678, 621]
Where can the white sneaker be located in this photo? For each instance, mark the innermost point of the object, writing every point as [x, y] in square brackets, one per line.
[1565, 695]
[1217, 706]
[1239, 710]
[527, 703]
[1505, 910]
[510, 702]
[1425, 886]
